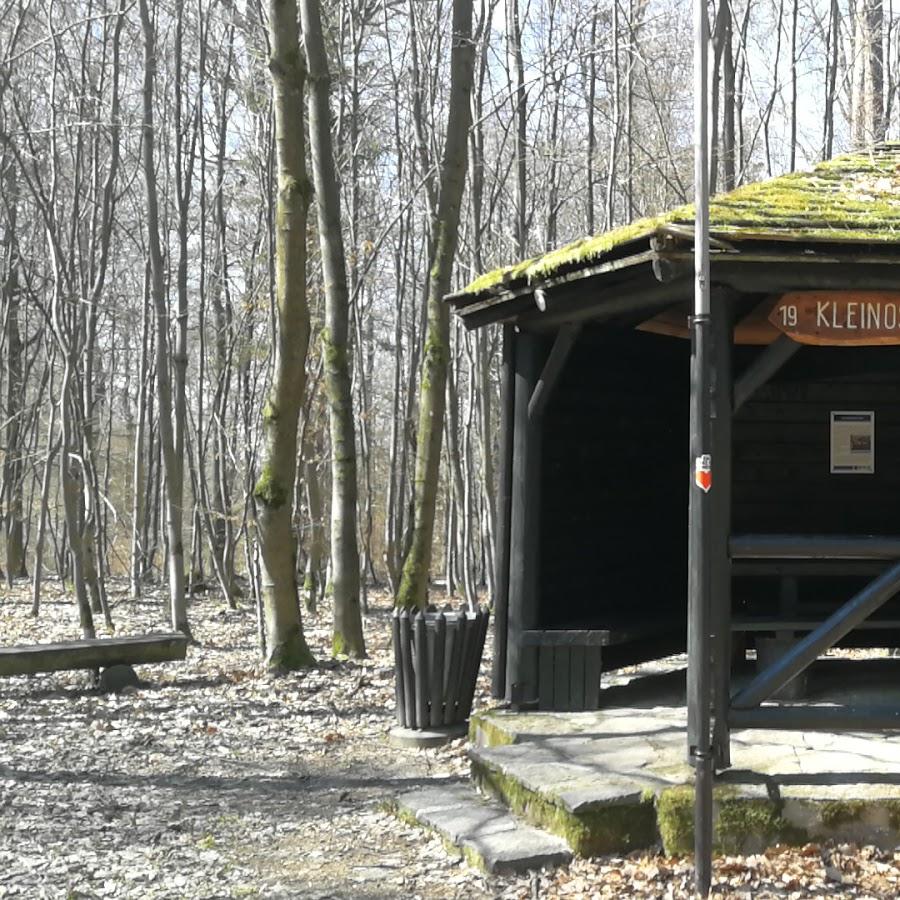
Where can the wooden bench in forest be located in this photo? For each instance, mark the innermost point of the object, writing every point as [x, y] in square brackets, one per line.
[115, 656]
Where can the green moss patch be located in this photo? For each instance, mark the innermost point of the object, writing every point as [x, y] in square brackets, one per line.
[841, 812]
[485, 731]
[855, 197]
[747, 824]
[893, 813]
[616, 828]
[675, 816]
[741, 824]
[291, 655]
[269, 490]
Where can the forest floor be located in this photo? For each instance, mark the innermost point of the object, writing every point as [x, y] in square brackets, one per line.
[216, 780]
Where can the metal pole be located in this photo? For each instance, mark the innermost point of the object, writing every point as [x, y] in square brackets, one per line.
[699, 605]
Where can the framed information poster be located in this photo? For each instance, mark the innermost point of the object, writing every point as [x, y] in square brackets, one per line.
[853, 442]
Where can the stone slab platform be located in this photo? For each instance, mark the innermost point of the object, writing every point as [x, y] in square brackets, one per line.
[617, 779]
[486, 833]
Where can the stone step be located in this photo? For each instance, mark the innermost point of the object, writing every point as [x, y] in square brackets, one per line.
[595, 811]
[616, 783]
[488, 836]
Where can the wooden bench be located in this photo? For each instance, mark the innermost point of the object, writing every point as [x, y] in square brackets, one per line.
[763, 623]
[793, 614]
[570, 661]
[100, 653]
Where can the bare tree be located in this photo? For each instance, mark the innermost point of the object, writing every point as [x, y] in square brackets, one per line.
[414, 584]
[171, 403]
[867, 113]
[347, 633]
[286, 646]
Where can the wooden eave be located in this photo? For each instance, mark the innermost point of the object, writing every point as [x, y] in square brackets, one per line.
[655, 273]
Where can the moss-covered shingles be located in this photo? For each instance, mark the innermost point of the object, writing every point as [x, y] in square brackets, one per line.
[855, 197]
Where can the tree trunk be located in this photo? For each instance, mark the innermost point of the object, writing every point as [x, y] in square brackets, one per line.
[13, 465]
[728, 103]
[414, 583]
[52, 447]
[514, 48]
[314, 581]
[138, 506]
[831, 68]
[615, 124]
[347, 634]
[794, 17]
[169, 432]
[286, 647]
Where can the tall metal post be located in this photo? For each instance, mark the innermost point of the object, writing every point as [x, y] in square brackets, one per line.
[700, 509]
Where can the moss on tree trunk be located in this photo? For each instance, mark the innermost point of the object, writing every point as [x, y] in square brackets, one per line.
[413, 591]
[286, 647]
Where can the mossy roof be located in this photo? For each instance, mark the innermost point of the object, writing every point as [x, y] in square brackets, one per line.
[853, 198]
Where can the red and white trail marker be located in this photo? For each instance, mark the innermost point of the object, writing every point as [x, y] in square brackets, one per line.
[703, 472]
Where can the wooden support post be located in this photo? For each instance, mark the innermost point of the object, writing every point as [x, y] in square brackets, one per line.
[521, 674]
[703, 466]
[501, 580]
[556, 361]
[721, 323]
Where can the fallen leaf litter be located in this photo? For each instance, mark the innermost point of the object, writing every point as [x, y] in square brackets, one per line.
[216, 780]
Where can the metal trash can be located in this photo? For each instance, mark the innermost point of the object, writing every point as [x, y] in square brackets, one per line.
[436, 661]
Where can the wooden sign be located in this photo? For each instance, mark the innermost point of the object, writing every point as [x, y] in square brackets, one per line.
[839, 318]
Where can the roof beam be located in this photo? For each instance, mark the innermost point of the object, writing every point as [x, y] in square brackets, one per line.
[572, 307]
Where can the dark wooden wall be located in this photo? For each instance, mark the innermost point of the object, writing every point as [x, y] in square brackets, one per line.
[614, 476]
[614, 482]
[782, 482]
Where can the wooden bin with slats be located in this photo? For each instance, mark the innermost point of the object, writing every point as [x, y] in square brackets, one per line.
[437, 656]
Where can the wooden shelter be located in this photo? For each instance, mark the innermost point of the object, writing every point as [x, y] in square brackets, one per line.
[805, 463]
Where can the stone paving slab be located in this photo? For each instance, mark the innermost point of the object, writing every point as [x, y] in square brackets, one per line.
[485, 831]
[563, 770]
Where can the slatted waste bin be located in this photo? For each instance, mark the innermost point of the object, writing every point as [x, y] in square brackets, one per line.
[436, 660]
